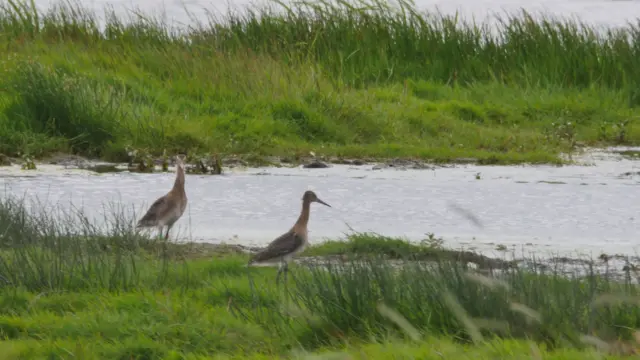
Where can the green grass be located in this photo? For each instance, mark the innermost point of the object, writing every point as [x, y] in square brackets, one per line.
[70, 289]
[370, 244]
[339, 80]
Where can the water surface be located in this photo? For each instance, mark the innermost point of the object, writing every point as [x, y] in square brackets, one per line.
[590, 209]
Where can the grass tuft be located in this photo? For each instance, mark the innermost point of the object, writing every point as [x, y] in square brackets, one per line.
[57, 251]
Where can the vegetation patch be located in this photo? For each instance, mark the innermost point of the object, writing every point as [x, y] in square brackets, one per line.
[430, 249]
[358, 80]
[71, 288]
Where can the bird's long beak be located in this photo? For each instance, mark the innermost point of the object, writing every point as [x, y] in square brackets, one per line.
[322, 202]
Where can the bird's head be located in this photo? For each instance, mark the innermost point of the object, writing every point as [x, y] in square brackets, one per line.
[180, 160]
[309, 196]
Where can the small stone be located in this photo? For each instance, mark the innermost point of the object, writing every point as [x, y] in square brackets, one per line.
[315, 165]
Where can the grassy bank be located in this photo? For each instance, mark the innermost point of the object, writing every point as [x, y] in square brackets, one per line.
[351, 81]
[69, 291]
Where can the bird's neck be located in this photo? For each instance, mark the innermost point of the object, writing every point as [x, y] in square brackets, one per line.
[303, 220]
[178, 185]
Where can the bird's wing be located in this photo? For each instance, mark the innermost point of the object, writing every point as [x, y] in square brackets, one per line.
[156, 210]
[281, 246]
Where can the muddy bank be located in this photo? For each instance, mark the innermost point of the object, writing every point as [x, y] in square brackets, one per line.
[208, 250]
[616, 267]
[214, 165]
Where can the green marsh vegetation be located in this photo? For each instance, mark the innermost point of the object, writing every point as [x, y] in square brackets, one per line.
[73, 289]
[345, 79]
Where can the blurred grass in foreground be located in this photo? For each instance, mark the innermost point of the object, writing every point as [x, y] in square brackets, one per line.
[349, 79]
[73, 289]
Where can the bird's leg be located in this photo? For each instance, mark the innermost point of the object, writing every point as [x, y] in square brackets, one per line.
[168, 228]
[251, 287]
[286, 271]
[279, 273]
[293, 275]
[159, 231]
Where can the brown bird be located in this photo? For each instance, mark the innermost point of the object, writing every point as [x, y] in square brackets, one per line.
[291, 243]
[169, 208]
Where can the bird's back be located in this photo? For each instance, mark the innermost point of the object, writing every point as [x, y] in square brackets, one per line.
[165, 210]
[288, 243]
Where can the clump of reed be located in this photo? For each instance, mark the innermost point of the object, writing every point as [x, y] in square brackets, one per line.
[61, 103]
[372, 297]
[43, 248]
[362, 42]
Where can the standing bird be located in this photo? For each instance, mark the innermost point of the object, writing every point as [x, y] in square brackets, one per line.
[169, 208]
[291, 243]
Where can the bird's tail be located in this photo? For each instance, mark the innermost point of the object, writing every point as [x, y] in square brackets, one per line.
[142, 223]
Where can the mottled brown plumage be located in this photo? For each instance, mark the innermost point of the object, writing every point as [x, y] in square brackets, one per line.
[291, 243]
[169, 208]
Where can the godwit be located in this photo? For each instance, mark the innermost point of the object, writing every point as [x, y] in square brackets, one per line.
[291, 243]
[169, 208]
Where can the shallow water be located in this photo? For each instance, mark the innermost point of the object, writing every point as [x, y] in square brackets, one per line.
[591, 209]
[596, 12]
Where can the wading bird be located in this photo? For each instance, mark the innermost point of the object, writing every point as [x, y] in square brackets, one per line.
[169, 208]
[291, 243]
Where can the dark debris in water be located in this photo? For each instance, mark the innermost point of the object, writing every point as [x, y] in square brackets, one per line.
[551, 182]
[104, 168]
[630, 174]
